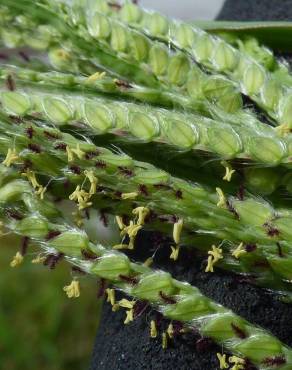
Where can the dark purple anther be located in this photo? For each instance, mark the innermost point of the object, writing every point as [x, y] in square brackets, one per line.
[271, 230]
[126, 171]
[10, 83]
[24, 56]
[100, 164]
[238, 332]
[61, 146]
[29, 132]
[129, 279]
[274, 361]
[103, 217]
[88, 255]
[52, 136]
[167, 299]
[123, 84]
[52, 234]
[250, 248]
[280, 252]
[101, 288]
[24, 245]
[52, 260]
[143, 190]
[34, 148]
[75, 169]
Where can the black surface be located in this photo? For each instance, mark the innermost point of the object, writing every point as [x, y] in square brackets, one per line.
[120, 347]
[256, 10]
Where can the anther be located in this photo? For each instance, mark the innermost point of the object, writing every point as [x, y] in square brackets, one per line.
[228, 171]
[11, 157]
[120, 222]
[142, 213]
[214, 256]
[17, 260]
[153, 329]
[164, 340]
[239, 251]
[238, 363]
[222, 361]
[177, 228]
[170, 331]
[111, 296]
[72, 290]
[93, 181]
[222, 200]
[129, 316]
[174, 252]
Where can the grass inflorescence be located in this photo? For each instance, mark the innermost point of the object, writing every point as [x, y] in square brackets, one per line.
[143, 121]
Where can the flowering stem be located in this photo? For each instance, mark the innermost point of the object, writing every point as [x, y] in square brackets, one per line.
[174, 299]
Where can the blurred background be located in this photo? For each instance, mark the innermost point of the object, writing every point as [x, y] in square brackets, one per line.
[186, 9]
[40, 328]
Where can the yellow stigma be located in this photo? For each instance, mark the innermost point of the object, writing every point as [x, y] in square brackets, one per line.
[170, 331]
[238, 363]
[164, 340]
[41, 191]
[95, 76]
[177, 228]
[228, 171]
[174, 252]
[93, 181]
[38, 259]
[120, 222]
[239, 251]
[129, 316]
[153, 329]
[222, 200]
[10, 158]
[142, 213]
[214, 256]
[16, 260]
[133, 195]
[31, 178]
[222, 361]
[111, 296]
[70, 154]
[72, 290]
[79, 153]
